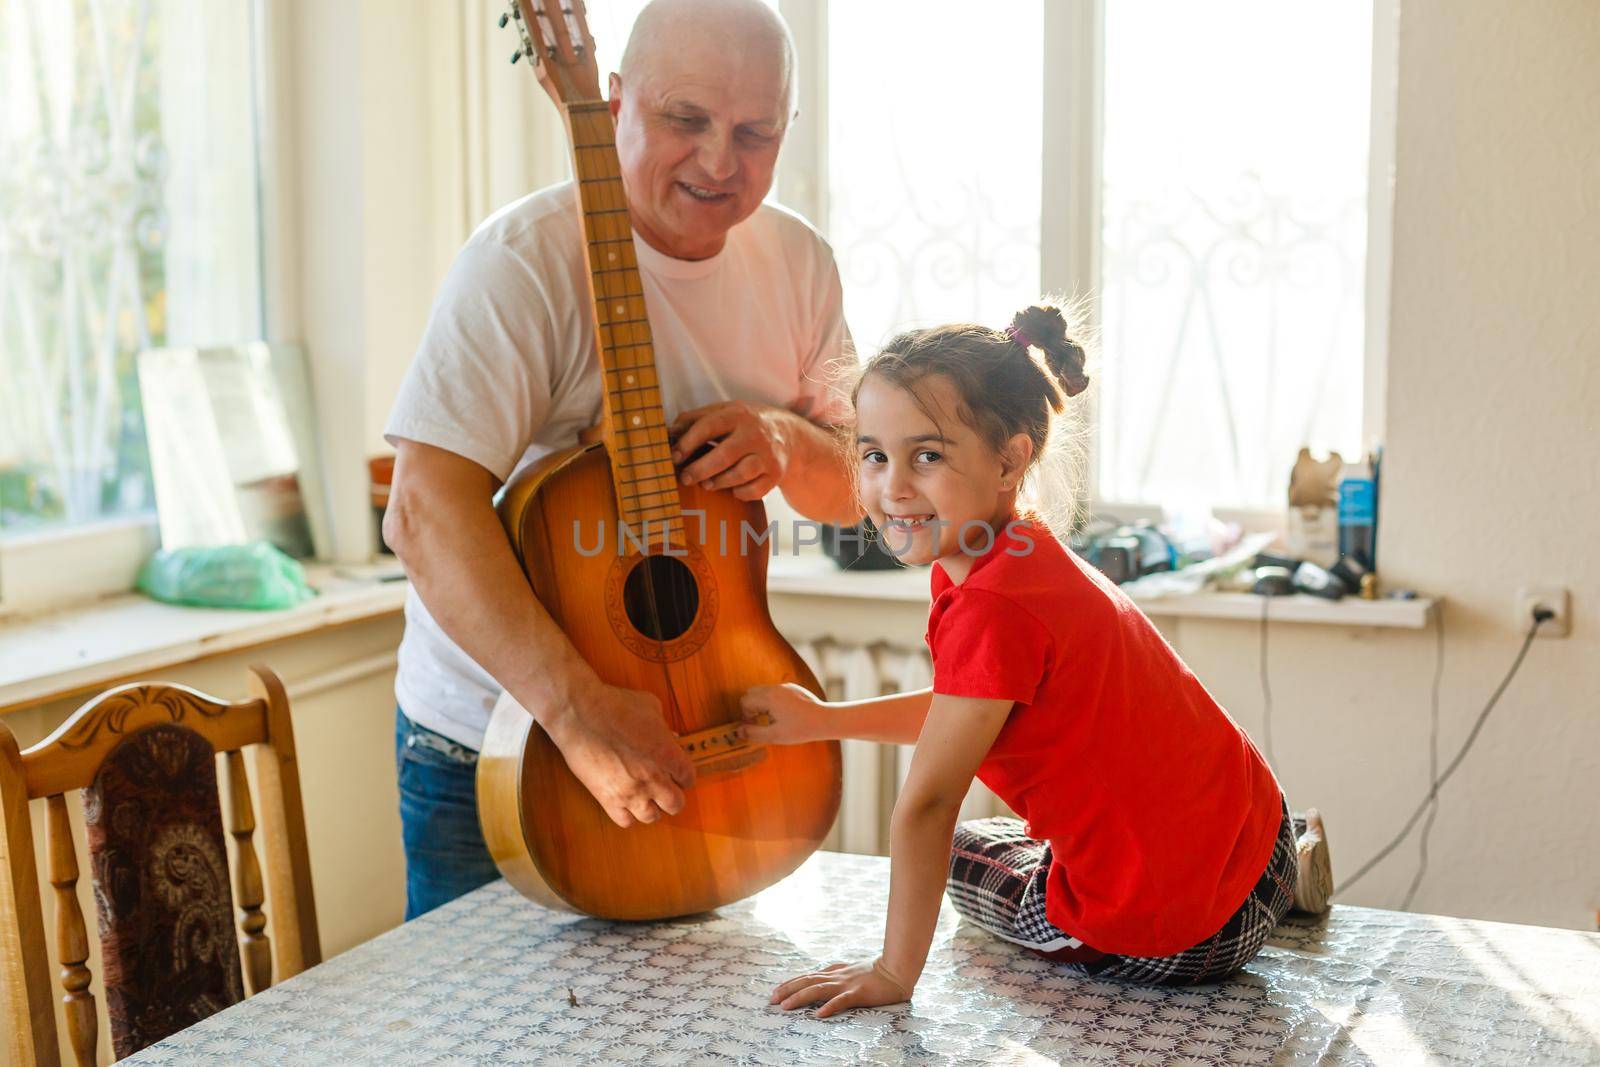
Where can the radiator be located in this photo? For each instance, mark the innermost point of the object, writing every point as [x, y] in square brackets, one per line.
[874, 772]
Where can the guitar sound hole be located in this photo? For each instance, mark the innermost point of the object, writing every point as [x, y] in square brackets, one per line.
[660, 597]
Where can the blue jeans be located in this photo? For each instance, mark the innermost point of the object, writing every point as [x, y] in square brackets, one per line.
[445, 853]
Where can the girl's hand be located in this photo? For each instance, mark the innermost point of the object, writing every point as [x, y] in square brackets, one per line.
[784, 715]
[841, 986]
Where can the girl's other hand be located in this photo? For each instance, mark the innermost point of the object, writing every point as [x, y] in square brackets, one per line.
[841, 986]
[784, 715]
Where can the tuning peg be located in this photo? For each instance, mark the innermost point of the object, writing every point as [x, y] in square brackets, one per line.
[516, 56]
[504, 18]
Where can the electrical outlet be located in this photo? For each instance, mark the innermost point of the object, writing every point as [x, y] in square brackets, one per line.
[1553, 597]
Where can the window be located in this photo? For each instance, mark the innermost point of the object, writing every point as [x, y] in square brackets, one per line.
[933, 176]
[1228, 147]
[610, 21]
[1234, 183]
[128, 220]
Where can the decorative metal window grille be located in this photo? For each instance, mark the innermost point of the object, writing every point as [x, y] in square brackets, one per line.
[1233, 246]
[128, 219]
[1233, 332]
[934, 155]
[1233, 214]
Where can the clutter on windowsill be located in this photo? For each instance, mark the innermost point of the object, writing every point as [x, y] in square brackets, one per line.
[1234, 584]
[1311, 526]
[1331, 533]
[256, 576]
[1189, 552]
[1201, 574]
[1323, 570]
[811, 579]
[1331, 537]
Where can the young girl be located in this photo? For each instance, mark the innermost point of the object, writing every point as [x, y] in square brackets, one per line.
[1156, 845]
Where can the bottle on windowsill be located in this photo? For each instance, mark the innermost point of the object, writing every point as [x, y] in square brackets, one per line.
[1358, 513]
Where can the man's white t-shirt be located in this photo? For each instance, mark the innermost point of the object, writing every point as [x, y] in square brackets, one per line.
[507, 371]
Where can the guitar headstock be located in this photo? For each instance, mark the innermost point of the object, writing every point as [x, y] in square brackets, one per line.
[557, 40]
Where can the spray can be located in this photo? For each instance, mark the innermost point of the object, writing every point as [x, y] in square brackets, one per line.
[1358, 513]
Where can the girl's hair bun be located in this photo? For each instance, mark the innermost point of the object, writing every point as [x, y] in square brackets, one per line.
[1044, 326]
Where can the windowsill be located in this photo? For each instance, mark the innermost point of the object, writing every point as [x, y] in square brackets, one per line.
[815, 575]
[91, 647]
[83, 649]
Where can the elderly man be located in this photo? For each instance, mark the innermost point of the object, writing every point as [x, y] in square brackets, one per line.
[746, 309]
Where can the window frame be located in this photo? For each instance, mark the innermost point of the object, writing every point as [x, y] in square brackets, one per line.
[58, 566]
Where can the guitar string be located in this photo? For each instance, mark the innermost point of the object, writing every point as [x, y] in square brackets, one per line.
[606, 149]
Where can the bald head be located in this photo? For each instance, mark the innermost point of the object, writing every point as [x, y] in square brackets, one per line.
[702, 103]
[739, 33]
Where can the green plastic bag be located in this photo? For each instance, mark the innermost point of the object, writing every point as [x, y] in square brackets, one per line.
[256, 575]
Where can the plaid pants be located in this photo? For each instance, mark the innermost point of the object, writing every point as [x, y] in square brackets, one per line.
[997, 880]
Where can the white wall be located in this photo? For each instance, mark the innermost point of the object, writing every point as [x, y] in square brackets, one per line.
[1491, 482]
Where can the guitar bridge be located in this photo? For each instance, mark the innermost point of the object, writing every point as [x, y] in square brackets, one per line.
[722, 749]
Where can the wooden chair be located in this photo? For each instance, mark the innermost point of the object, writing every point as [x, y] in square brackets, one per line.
[144, 755]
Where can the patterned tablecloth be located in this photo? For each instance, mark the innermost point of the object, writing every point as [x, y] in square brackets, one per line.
[493, 978]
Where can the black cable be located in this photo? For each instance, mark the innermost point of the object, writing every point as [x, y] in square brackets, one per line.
[1433, 756]
[1540, 617]
[1266, 691]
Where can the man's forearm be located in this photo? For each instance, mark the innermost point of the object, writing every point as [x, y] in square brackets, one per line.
[462, 566]
[819, 482]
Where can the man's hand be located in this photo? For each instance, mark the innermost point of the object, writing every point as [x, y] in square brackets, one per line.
[621, 750]
[752, 449]
[442, 525]
[785, 714]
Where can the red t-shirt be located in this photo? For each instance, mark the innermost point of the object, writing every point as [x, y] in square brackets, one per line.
[1160, 813]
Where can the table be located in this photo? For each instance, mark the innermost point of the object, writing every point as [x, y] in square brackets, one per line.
[493, 978]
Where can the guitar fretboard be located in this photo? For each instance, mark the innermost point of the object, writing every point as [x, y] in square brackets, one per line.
[635, 423]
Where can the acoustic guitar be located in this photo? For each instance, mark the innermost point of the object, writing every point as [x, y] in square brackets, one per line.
[672, 602]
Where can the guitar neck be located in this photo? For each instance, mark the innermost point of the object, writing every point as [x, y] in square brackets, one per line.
[634, 427]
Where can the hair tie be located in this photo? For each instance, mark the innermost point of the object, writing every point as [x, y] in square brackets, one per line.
[1020, 338]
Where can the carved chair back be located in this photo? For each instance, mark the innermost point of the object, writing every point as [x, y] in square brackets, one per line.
[145, 757]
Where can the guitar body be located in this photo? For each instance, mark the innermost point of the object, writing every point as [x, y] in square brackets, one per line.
[687, 621]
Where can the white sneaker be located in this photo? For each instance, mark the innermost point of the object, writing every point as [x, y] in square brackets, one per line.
[1314, 870]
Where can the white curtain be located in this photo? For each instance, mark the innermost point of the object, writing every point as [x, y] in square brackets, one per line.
[496, 134]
